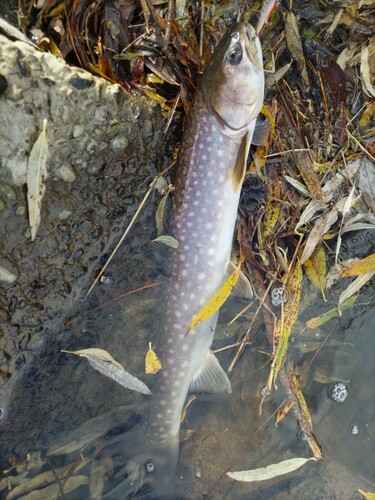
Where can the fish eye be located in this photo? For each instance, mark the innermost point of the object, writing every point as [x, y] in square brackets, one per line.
[150, 466]
[235, 36]
[235, 56]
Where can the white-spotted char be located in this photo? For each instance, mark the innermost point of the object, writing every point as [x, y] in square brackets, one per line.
[210, 170]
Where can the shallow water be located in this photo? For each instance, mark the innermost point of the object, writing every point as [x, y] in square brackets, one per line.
[220, 433]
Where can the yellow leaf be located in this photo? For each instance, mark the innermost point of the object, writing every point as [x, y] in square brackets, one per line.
[152, 363]
[218, 299]
[273, 207]
[315, 268]
[368, 495]
[284, 325]
[359, 266]
[282, 412]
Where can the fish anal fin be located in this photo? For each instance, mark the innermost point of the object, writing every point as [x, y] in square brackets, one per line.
[238, 173]
[210, 377]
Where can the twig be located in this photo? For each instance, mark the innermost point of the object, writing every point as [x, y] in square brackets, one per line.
[126, 232]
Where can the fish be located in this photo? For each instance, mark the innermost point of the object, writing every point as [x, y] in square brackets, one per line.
[211, 166]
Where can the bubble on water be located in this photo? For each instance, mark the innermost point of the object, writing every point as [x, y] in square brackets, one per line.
[279, 295]
[150, 467]
[354, 430]
[339, 392]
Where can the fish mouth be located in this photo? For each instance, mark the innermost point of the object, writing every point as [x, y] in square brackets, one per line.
[243, 41]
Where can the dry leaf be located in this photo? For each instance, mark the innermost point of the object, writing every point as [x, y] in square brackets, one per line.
[356, 267]
[366, 53]
[321, 227]
[218, 299]
[273, 207]
[103, 362]
[315, 268]
[294, 44]
[356, 285]
[152, 363]
[311, 179]
[269, 472]
[366, 182]
[36, 176]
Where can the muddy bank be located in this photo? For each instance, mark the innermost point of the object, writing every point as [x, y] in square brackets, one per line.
[105, 146]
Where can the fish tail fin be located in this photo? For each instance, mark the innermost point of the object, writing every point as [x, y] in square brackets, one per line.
[140, 465]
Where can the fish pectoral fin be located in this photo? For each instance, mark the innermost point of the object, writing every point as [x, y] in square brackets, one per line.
[210, 377]
[243, 288]
[261, 132]
[238, 173]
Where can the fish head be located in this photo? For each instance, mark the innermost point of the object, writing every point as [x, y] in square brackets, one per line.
[233, 83]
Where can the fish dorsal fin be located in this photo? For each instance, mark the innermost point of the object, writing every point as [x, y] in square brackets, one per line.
[243, 288]
[238, 173]
[261, 132]
[210, 377]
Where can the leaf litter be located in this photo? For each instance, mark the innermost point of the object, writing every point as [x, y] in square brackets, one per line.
[318, 161]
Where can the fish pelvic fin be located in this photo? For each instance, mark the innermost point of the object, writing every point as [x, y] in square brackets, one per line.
[210, 377]
[238, 173]
[243, 288]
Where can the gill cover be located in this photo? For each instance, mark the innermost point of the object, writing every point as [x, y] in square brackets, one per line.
[233, 83]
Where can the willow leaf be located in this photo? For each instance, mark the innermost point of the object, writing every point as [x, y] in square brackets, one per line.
[218, 299]
[269, 472]
[36, 176]
[104, 363]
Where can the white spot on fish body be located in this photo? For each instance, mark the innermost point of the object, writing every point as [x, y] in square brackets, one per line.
[192, 296]
[185, 364]
[209, 225]
[201, 276]
[186, 247]
[182, 258]
[211, 251]
[162, 402]
[159, 415]
[185, 347]
[170, 340]
[190, 224]
[184, 272]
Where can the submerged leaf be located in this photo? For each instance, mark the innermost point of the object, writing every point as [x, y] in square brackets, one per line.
[367, 495]
[332, 313]
[296, 388]
[167, 240]
[283, 412]
[103, 362]
[218, 299]
[269, 472]
[152, 363]
[284, 325]
[36, 176]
